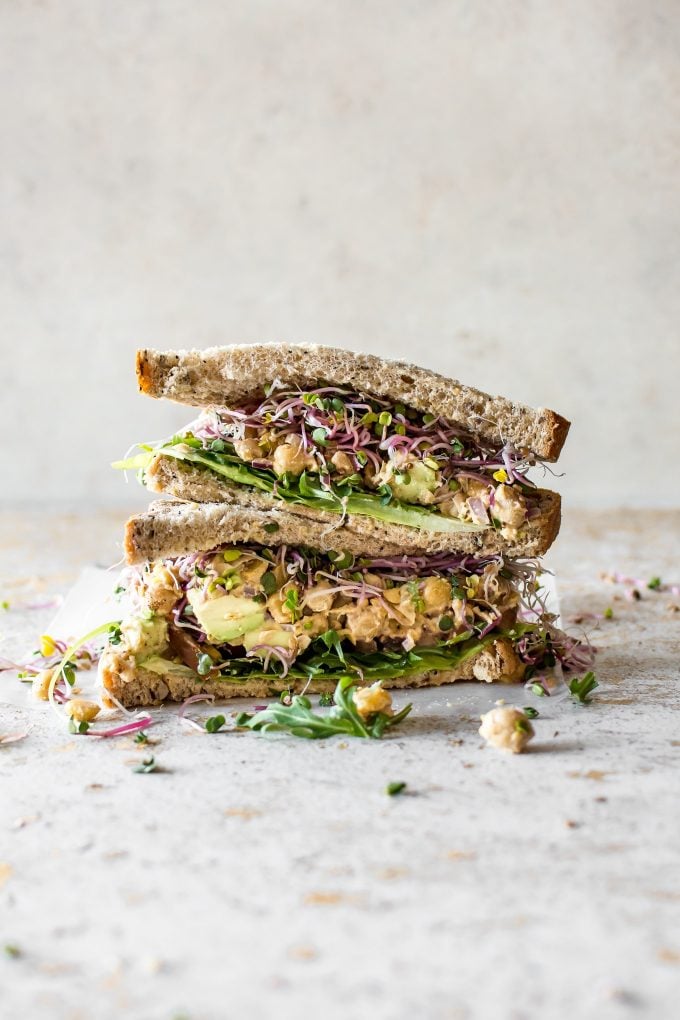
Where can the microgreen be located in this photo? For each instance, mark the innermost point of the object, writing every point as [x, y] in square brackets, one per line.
[344, 719]
[654, 583]
[539, 690]
[10, 949]
[78, 727]
[417, 600]
[4, 604]
[271, 527]
[582, 688]
[325, 699]
[214, 723]
[142, 738]
[530, 713]
[291, 603]
[231, 555]
[147, 765]
[320, 436]
[445, 623]
[523, 725]
[609, 613]
[218, 446]
[394, 789]
[269, 582]
[204, 665]
[115, 634]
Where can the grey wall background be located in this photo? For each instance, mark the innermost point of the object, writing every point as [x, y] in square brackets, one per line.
[491, 189]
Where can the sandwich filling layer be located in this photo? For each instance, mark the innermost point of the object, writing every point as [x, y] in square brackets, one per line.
[338, 450]
[242, 612]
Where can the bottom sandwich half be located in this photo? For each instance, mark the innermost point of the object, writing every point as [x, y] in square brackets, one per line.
[264, 613]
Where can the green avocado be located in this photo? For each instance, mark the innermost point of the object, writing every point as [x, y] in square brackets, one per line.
[268, 636]
[227, 617]
[421, 479]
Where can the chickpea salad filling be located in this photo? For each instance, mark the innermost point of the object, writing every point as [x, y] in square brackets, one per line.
[334, 449]
[242, 612]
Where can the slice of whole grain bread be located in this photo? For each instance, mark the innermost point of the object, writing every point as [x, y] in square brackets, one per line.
[134, 686]
[226, 376]
[227, 513]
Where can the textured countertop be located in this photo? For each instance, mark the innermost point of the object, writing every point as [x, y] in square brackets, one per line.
[258, 878]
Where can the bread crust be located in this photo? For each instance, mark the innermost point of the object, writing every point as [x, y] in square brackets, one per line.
[226, 376]
[136, 687]
[212, 512]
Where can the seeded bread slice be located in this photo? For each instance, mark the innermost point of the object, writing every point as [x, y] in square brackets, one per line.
[226, 376]
[172, 527]
[134, 686]
[226, 513]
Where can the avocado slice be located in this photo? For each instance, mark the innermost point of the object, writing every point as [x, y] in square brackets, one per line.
[227, 617]
[268, 635]
[422, 480]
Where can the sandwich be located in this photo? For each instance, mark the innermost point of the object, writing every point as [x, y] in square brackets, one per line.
[383, 452]
[236, 601]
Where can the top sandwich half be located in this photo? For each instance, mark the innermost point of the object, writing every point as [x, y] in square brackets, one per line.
[412, 458]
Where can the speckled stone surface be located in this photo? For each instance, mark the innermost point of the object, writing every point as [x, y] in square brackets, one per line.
[259, 878]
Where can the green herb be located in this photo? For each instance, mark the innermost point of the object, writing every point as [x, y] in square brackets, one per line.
[384, 418]
[285, 697]
[320, 436]
[523, 725]
[416, 598]
[269, 582]
[609, 613]
[68, 671]
[78, 727]
[456, 446]
[362, 458]
[260, 599]
[583, 688]
[271, 527]
[400, 429]
[141, 738]
[218, 446]
[654, 584]
[119, 589]
[445, 623]
[393, 789]
[214, 723]
[325, 699]
[115, 634]
[198, 572]
[343, 719]
[12, 950]
[530, 713]
[428, 419]
[231, 555]
[204, 665]
[539, 690]
[342, 561]
[385, 494]
[291, 603]
[337, 405]
[147, 765]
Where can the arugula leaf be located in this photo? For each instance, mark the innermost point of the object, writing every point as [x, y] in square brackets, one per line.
[299, 720]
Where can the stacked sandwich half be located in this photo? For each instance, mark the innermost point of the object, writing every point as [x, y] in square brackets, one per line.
[334, 514]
